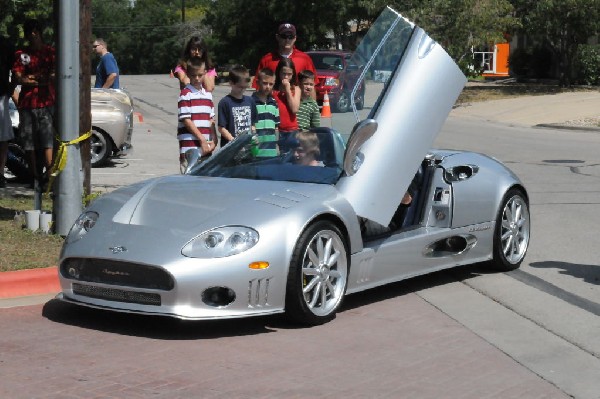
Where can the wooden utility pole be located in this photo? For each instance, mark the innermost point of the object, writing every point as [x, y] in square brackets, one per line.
[85, 82]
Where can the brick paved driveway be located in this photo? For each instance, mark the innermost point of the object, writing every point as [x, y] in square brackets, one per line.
[385, 343]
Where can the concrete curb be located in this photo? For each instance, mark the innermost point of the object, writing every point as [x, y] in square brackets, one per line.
[568, 127]
[29, 282]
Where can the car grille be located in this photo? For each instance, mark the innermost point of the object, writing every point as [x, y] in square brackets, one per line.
[112, 272]
[113, 294]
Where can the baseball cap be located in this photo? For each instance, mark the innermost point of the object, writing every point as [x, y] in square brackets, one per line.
[286, 28]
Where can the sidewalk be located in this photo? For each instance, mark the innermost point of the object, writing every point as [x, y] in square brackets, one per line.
[563, 110]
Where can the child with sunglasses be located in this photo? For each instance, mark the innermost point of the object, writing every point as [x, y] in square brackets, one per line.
[286, 40]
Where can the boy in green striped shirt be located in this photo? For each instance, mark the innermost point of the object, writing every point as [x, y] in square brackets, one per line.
[268, 114]
[308, 115]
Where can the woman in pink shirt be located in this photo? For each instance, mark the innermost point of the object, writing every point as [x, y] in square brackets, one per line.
[195, 47]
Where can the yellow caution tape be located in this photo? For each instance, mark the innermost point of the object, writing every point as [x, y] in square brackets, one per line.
[61, 157]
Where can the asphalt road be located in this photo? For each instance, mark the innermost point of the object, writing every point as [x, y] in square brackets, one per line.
[463, 333]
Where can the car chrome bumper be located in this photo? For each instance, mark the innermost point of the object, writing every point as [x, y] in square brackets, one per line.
[125, 149]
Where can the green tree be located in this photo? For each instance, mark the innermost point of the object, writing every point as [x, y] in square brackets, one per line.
[458, 24]
[461, 25]
[14, 14]
[146, 36]
[563, 24]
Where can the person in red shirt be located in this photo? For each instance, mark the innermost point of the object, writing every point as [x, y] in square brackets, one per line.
[286, 38]
[34, 69]
[287, 94]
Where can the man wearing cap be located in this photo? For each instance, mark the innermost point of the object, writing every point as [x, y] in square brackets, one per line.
[286, 38]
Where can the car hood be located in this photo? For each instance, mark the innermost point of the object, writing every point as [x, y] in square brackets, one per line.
[108, 104]
[195, 203]
[327, 73]
[109, 96]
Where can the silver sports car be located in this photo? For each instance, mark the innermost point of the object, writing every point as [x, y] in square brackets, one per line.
[268, 225]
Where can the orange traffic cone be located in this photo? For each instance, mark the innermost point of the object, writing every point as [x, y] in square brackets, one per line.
[326, 110]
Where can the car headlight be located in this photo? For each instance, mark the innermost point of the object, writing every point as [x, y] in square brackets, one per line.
[82, 225]
[221, 242]
[331, 82]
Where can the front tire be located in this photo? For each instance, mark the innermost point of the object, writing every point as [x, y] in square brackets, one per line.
[101, 148]
[343, 102]
[318, 275]
[359, 101]
[511, 236]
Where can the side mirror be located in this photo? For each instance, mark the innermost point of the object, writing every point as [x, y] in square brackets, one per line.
[192, 156]
[361, 132]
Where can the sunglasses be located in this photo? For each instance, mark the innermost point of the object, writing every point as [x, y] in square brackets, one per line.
[287, 37]
[95, 45]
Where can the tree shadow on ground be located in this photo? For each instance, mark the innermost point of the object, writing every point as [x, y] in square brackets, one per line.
[588, 273]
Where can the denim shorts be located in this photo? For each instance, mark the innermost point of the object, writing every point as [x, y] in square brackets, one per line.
[6, 130]
[36, 129]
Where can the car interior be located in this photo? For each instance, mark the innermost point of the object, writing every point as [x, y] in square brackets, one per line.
[406, 217]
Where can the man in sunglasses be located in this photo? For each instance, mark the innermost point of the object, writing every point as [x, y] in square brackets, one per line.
[286, 38]
[107, 71]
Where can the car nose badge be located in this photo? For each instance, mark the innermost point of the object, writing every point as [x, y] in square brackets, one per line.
[118, 249]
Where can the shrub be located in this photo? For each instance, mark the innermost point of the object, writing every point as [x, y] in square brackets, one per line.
[587, 64]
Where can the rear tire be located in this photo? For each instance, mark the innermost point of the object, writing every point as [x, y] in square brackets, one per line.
[17, 164]
[101, 148]
[511, 236]
[318, 275]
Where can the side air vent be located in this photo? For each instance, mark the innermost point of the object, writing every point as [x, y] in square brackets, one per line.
[258, 292]
[450, 246]
[458, 173]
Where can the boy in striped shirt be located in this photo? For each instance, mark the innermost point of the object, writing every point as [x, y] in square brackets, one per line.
[308, 115]
[268, 113]
[196, 114]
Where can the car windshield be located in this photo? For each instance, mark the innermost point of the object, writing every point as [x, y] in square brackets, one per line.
[377, 57]
[310, 157]
[263, 158]
[327, 61]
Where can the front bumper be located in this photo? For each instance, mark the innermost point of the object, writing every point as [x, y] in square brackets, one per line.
[125, 149]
